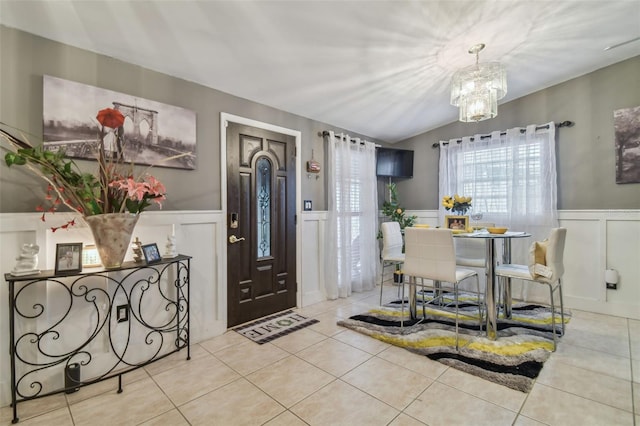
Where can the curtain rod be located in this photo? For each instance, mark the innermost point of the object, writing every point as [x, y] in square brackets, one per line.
[326, 133]
[546, 126]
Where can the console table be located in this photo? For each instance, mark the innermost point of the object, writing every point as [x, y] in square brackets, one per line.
[69, 331]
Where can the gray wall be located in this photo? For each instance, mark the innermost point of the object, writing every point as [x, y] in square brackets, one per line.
[25, 58]
[585, 152]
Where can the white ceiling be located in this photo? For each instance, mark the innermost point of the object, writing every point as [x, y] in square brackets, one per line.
[379, 68]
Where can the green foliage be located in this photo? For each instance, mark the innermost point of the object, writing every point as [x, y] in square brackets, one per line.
[394, 211]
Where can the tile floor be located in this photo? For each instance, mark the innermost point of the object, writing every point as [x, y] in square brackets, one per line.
[328, 375]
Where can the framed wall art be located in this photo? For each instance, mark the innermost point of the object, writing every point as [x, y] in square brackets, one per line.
[152, 134]
[626, 124]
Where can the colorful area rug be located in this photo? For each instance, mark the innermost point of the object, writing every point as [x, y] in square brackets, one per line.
[514, 359]
[268, 328]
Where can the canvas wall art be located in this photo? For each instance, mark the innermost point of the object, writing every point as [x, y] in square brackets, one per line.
[626, 123]
[153, 132]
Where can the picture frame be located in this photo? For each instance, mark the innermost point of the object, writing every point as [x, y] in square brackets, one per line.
[151, 253]
[68, 258]
[457, 223]
[307, 205]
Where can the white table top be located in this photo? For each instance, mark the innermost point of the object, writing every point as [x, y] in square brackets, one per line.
[484, 234]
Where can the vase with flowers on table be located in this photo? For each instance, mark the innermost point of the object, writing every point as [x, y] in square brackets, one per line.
[458, 205]
[109, 201]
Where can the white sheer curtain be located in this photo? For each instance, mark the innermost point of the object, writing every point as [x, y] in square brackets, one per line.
[351, 247]
[511, 177]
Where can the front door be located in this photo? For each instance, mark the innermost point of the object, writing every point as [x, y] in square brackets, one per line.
[261, 229]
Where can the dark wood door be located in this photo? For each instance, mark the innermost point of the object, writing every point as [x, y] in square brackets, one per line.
[261, 230]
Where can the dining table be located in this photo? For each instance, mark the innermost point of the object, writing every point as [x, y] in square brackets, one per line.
[490, 270]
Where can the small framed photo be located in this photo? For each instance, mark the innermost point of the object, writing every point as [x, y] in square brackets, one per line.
[151, 253]
[457, 223]
[68, 258]
[307, 205]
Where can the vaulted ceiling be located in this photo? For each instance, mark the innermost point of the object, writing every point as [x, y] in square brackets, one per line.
[379, 68]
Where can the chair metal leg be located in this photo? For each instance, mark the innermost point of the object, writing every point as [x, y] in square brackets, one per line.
[553, 317]
[561, 305]
[381, 282]
[455, 295]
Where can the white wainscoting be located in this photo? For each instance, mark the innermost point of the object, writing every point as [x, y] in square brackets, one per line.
[197, 234]
[596, 240]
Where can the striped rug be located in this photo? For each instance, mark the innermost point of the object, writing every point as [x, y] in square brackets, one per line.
[514, 359]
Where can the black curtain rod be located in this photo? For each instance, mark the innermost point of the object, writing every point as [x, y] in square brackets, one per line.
[562, 124]
[326, 133]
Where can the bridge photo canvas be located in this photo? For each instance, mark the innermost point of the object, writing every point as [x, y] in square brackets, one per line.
[152, 133]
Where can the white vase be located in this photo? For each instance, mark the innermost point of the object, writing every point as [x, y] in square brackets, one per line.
[112, 234]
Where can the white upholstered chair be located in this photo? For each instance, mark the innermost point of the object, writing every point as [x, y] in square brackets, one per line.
[429, 254]
[551, 252]
[392, 243]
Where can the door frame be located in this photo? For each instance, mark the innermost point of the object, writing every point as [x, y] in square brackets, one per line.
[226, 118]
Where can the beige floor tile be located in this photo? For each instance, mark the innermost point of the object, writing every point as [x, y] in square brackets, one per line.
[346, 311]
[418, 363]
[555, 407]
[238, 403]
[328, 324]
[290, 380]
[388, 382]
[285, 419]
[248, 357]
[636, 398]
[483, 389]
[298, 340]
[59, 417]
[194, 378]
[598, 319]
[35, 407]
[110, 385]
[170, 418]
[441, 405]
[602, 341]
[174, 360]
[404, 420]
[316, 309]
[334, 357]
[362, 341]
[588, 384]
[139, 402]
[341, 404]
[591, 360]
[526, 421]
[226, 340]
[636, 370]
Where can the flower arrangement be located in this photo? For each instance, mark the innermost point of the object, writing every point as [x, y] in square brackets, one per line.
[457, 204]
[114, 190]
[393, 210]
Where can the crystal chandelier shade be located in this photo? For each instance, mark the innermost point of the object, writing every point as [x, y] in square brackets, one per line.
[477, 89]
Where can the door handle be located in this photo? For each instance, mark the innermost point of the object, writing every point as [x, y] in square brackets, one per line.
[233, 239]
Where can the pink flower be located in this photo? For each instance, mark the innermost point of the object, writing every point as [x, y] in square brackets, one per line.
[155, 187]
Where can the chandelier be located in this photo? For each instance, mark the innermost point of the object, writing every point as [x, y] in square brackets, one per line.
[476, 89]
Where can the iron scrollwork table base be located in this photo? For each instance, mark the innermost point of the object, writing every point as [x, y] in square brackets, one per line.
[107, 322]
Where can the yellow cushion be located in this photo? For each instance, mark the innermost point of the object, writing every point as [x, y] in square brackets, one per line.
[538, 258]
[420, 225]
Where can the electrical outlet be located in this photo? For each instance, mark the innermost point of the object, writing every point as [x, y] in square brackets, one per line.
[612, 286]
[122, 313]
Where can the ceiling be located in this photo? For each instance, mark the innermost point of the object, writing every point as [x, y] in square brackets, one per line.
[378, 68]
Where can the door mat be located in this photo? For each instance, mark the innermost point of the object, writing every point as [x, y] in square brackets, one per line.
[269, 328]
[513, 360]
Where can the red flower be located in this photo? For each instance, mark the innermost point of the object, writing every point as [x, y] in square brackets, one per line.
[110, 117]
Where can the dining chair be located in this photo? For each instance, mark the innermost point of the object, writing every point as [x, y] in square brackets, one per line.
[551, 252]
[430, 255]
[392, 254]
